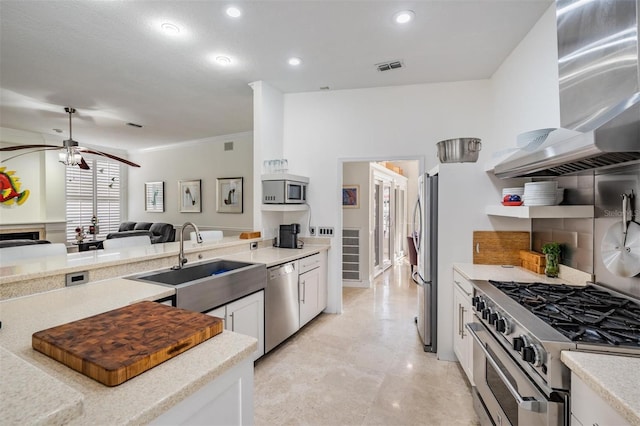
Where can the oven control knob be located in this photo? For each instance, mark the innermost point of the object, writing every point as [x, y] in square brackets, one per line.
[518, 343]
[485, 313]
[503, 326]
[493, 317]
[532, 355]
[480, 306]
[475, 300]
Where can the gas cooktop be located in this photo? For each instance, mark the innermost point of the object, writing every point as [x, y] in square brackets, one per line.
[587, 315]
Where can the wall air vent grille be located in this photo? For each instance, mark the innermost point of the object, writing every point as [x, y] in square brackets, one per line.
[228, 146]
[351, 254]
[391, 65]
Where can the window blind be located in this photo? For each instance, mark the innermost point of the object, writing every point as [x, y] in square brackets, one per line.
[94, 192]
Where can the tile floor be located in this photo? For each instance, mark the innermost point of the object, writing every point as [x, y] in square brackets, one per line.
[364, 367]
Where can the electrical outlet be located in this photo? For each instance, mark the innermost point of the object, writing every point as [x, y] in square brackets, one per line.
[253, 245]
[325, 231]
[312, 230]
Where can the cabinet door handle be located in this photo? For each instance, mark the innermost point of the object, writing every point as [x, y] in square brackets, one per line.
[232, 322]
[459, 319]
[304, 291]
[463, 310]
[462, 289]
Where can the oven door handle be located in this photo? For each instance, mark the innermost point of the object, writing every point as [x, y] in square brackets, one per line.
[526, 403]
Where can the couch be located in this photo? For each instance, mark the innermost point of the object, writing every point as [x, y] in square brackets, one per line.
[158, 232]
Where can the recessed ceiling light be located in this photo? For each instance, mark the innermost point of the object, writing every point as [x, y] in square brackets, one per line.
[234, 12]
[404, 16]
[223, 60]
[169, 28]
[295, 61]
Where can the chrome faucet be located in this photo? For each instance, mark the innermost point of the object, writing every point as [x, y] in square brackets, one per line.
[181, 259]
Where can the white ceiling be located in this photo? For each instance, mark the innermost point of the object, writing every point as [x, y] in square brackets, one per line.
[109, 60]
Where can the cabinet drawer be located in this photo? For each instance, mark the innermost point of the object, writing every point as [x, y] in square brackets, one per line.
[308, 263]
[589, 408]
[463, 284]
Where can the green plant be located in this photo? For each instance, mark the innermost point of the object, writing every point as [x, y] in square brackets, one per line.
[552, 254]
[551, 248]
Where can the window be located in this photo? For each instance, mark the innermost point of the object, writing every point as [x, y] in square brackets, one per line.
[94, 192]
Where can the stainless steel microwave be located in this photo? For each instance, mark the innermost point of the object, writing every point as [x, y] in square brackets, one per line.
[284, 192]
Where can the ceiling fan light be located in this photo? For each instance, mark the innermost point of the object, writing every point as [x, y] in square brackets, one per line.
[69, 158]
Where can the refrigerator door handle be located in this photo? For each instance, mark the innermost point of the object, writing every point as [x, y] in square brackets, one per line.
[417, 210]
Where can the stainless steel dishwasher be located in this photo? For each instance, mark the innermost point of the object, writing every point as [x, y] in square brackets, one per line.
[281, 309]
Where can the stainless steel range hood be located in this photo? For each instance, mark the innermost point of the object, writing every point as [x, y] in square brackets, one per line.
[599, 79]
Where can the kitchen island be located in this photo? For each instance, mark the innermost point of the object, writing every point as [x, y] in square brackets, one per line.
[38, 389]
[31, 276]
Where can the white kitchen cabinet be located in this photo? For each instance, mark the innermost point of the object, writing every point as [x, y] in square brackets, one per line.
[312, 286]
[308, 286]
[245, 316]
[589, 408]
[462, 314]
[227, 400]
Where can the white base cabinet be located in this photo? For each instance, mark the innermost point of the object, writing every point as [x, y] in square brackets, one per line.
[312, 286]
[588, 408]
[462, 314]
[245, 316]
[227, 400]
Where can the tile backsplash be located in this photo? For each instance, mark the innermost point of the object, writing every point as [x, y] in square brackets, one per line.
[575, 235]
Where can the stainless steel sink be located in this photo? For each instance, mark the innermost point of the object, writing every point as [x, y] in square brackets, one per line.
[204, 286]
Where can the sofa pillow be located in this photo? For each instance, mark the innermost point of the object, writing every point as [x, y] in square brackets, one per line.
[142, 226]
[162, 233]
[126, 226]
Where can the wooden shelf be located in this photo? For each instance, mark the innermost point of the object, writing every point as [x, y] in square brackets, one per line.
[541, 212]
[285, 207]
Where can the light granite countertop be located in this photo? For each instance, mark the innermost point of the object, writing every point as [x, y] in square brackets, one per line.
[272, 256]
[615, 378]
[38, 389]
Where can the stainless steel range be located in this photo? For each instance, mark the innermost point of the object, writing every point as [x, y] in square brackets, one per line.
[519, 331]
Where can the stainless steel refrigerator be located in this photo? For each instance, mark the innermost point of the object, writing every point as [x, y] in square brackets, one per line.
[425, 239]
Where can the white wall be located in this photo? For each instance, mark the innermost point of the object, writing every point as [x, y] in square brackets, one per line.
[267, 145]
[323, 129]
[204, 159]
[42, 175]
[525, 87]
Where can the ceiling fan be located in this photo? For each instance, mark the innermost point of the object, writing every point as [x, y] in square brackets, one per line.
[70, 154]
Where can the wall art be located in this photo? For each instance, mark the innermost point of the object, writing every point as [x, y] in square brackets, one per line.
[351, 196]
[189, 191]
[229, 199]
[10, 188]
[154, 196]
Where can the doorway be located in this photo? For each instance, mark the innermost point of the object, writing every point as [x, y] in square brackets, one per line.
[375, 234]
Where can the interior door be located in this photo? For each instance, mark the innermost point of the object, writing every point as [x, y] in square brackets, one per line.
[377, 227]
[387, 232]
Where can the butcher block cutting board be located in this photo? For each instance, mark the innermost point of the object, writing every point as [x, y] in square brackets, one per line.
[115, 346]
[499, 247]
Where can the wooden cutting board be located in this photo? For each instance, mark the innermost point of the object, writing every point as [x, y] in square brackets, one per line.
[499, 247]
[115, 346]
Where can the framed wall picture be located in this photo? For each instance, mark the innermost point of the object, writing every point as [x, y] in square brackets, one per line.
[190, 201]
[154, 196]
[351, 196]
[229, 199]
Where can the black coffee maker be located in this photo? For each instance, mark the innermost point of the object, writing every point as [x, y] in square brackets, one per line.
[289, 236]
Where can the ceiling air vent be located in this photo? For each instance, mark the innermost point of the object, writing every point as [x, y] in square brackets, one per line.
[391, 65]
